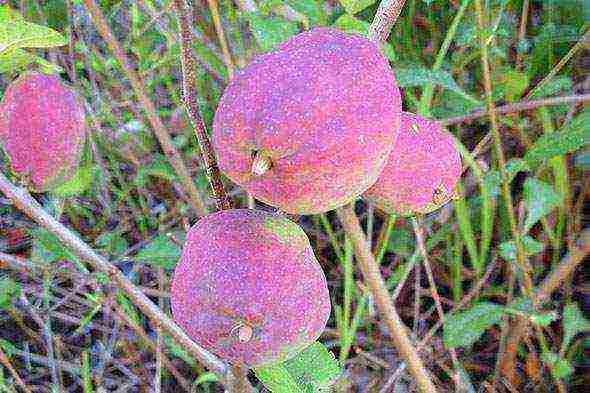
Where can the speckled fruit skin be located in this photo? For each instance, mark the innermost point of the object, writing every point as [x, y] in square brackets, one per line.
[42, 130]
[249, 267]
[423, 169]
[324, 107]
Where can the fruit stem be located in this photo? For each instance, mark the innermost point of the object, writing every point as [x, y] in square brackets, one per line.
[261, 164]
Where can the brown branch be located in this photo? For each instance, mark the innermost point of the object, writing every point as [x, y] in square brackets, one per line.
[384, 19]
[160, 131]
[23, 201]
[517, 107]
[374, 280]
[190, 101]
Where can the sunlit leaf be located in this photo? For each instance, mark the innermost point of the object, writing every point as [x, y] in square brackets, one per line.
[313, 369]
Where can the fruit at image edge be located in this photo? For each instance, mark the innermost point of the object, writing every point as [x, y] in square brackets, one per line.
[307, 128]
[248, 287]
[42, 130]
[423, 169]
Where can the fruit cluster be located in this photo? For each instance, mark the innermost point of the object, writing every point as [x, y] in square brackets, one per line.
[307, 128]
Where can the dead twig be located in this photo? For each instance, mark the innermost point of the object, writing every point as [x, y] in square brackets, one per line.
[31, 207]
[373, 278]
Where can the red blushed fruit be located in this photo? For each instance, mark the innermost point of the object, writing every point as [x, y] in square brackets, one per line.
[249, 288]
[307, 128]
[42, 130]
[423, 169]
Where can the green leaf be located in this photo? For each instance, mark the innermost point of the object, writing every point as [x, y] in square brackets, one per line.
[112, 243]
[401, 242]
[464, 328]
[556, 85]
[354, 6]
[539, 199]
[313, 9]
[560, 368]
[574, 322]
[80, 182]
[7, 14]
[159, 167]
[531, 247]
[350, 24]
[128, 307]
[515, 83]
[313, 369]
[20, 34]
[8, 347]
[14, 60]
[514, 166]
[416, 75]
[569, 138]
[47, 248]
[543, 319]
[161, 252]
[271, 31]
[178, 351]
[9, 290]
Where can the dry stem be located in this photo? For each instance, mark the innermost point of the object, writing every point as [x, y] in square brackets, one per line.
[374, 280]
[31, 207]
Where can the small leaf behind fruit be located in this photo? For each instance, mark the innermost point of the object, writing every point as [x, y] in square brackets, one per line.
[354, 6]
[464, 328]
[269, 32]
[312, 370]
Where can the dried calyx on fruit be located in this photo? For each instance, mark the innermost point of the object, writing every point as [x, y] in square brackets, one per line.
[423, 169]
[249, 288]
[42, 130]
[308, 127]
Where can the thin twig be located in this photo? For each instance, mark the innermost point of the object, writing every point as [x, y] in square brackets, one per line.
[419, 231]
[31, 207]
[384, 19]
[160, 131]
[190, 101]
[6, 363]
[374, 280]
[517, 107]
